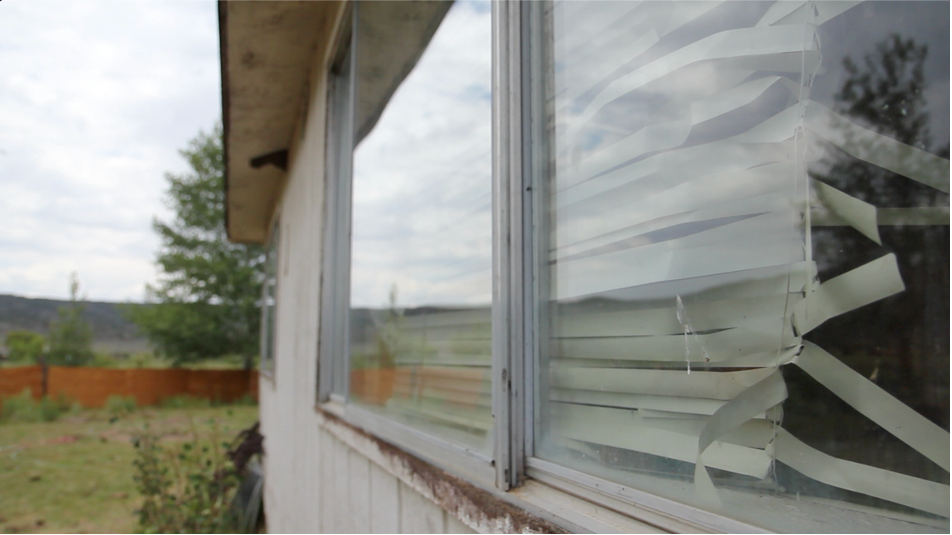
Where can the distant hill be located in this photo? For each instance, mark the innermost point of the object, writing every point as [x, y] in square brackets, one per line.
[112, 332]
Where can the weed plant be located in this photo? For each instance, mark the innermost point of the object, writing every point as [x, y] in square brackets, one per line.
[187, 487]
[121, 405]
[184, 401]
[23, 408]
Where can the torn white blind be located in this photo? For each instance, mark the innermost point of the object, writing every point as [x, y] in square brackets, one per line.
[681, 264]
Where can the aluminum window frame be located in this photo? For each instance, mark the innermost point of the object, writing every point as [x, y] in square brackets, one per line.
[523, 171]
[268, 345]
[335, 248]
[520, 280]
[523, 62]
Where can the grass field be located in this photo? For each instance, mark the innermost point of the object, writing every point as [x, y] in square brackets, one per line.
[145, 359]
[74, 475]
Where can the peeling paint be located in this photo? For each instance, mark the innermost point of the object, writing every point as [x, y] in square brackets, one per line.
[471, 505]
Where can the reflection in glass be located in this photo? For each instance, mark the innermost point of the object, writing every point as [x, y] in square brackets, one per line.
[748, 263]
[422, 232]
[269, 300]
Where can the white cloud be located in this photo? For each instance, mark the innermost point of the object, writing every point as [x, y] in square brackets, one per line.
[96, 101]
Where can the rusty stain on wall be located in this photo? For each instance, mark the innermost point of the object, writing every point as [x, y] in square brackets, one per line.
[475, 507]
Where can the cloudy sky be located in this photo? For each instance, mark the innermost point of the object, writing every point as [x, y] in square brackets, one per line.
[96, 98]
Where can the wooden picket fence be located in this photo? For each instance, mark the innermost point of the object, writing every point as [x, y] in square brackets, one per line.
[92, 386]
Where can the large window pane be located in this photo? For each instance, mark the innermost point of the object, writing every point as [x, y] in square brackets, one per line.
[421, 279]
[747, 228]
[269, 302]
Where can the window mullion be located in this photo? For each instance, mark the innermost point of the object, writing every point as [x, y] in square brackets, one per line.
[534, 228]
[335, 272]
[508, 258]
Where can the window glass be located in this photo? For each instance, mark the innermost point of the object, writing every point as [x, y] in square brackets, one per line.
[421, 271]
[747, 227]
[332, 378]
[268, 302]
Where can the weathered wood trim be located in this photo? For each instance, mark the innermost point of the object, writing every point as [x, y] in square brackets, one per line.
[533, 508]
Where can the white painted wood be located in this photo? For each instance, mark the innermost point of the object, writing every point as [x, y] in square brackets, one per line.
[417, 514]
[312, 498]
[384, 501]
[323, 476]
[340, 508]
[358, 498]
[455, 526]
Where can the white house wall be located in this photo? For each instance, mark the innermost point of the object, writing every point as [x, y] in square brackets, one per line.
[315, 482]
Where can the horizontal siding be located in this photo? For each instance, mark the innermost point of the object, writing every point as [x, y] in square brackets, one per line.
[314, 482]
[347, 492]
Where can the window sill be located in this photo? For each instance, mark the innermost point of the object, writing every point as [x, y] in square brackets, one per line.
[534, 507]
[557, 498]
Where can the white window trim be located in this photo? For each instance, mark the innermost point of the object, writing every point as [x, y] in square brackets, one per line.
[335, 248]
[266, 367]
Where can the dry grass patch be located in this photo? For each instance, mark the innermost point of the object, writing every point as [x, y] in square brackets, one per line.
[74, 475]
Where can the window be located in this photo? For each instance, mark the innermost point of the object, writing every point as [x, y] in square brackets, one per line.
[268, 301]
[700, 255]
[335, 282]
[421, 231]
[408, 286]
[744, 205]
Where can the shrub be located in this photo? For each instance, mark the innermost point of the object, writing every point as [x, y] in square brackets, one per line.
[25, 346]
[184, 401]
[102, 360]
[19, 408]
[120, 405]
[246, 400]
[22, 408]
[186, 488]
[49, 410]
[146, 360]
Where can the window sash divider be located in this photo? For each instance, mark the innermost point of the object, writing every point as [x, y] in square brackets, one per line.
[535, 275]
[267, 346]
[502, 312]
[333, 361]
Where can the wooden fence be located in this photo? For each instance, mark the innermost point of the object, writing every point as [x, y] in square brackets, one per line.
[92, 386]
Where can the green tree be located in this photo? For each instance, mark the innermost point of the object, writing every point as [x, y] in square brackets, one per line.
[25, 346]
[71, 337]
[205, 304]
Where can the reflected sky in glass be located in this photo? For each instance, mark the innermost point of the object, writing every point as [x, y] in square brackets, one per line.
[422, 178]
[421, 276]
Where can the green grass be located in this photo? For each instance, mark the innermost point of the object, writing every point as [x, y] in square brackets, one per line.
[150, 360]
[74, 475]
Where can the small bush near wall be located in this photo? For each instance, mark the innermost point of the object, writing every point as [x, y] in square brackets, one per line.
[187, 487]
